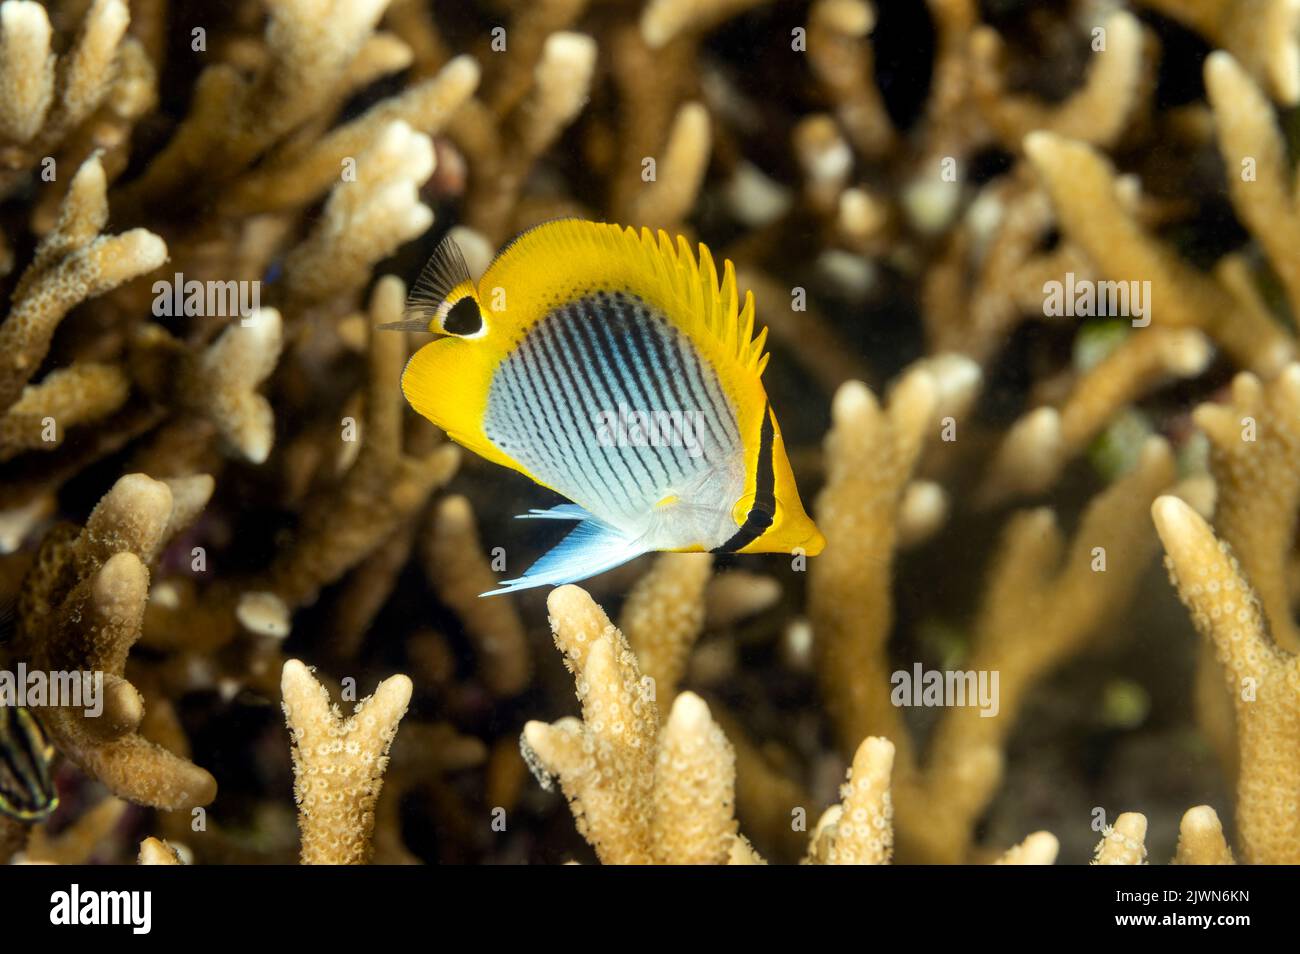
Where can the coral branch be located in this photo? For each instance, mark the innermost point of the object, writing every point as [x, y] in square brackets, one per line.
[639, 794]
[1040, 848]
[1255, 460]
[366, 217]
[383, 487]
[339, 763]
[1124, 843]
[460, 573]
[155, 851]
[81, 611]
[1200, 839]
[1084, 191]
[1262, 678]
[860, 830]
[663, 616]
[871, 452]
[73, 263]
[1017, 636]
[1097, 113]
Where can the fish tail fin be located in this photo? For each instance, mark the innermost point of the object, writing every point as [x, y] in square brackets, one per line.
[591, 547]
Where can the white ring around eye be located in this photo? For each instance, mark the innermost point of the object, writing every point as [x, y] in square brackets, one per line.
[439, 318]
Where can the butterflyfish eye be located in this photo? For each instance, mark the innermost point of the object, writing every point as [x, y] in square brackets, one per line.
[463, 318]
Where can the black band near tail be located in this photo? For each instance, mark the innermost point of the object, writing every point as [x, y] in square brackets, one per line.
[761, 514]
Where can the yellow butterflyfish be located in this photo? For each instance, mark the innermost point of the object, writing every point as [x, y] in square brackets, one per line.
[615, 368]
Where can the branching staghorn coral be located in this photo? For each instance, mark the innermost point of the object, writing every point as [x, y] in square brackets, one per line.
[871, 454]
[342, 525]
[1085, 193]
[991, 269]
[66, 398]
[640, 794]
[1256, 167]
[1200, 840]
[366, 216]
[663, 616]
[72, 263]
[504, 144]
[459, 572]
[383, 487]
[1037, 447]
[1124, 842]
[299, 172]
[46, 98]
[338, 763]
[822, 170]
[1259, 33]
[1099, 112]
[1262, 678]
[310, 48]
[860, 830]
[155, 851]
[1017, 636]
[220, 382]
[1255, 460]
[844, 64]
[81, 611]
[1040, 848]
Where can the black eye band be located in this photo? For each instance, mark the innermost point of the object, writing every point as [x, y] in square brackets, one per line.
[464, 318]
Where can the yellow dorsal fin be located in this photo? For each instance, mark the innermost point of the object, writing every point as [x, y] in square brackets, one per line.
[710, 305]
[572, 255]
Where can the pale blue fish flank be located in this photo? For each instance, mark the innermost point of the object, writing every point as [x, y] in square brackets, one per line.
[598, 354]
[545, 399]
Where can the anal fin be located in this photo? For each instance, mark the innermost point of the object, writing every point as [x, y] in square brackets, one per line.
[591, 547]
[568, 511]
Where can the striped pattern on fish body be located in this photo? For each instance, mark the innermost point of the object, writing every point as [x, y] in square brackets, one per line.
[618, 370]
[27, 790]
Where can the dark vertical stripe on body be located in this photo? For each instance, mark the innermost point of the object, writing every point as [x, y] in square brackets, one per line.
[763, 510]
[530, 439]
[616, 383]
[598, 345]
[581, 374]
[700, 388]
[650, 343]
[26, 785]
[531, 363]
[619, 342]
[523, 408]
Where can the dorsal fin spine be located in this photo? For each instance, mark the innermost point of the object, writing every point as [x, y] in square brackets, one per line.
[745, 323]
[445, 271]
[737, 343]
[708, 281]
[760, 359]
